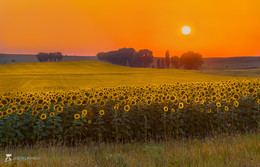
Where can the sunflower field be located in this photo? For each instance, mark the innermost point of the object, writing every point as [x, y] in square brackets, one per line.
[130, 113]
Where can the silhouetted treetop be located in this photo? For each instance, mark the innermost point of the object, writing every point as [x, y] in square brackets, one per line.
[127, 57]
[191, 60]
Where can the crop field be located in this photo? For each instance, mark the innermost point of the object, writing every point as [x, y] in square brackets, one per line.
[72, 103]
[54, 76]
[51, 110]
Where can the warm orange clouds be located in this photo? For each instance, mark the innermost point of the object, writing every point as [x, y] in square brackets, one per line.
[220, 28]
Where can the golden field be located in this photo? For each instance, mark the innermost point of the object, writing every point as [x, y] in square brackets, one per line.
[30, 77]
[158, 104]
[89, 102]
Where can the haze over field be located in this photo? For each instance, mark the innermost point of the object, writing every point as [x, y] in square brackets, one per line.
[79, 27]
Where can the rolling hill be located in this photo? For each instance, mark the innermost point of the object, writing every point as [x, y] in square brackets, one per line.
[73, 75]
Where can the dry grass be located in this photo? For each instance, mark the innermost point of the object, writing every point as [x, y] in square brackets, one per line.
[238, 150]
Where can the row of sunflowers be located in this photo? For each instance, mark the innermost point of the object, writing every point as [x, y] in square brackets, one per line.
[130, 113]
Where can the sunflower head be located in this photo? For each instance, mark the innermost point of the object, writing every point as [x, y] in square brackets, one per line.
[126, 108]
[84, 112]
[101, 112]
[43, 116]
[165, 109]
[76, 116]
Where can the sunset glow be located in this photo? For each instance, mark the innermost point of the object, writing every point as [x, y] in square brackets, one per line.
[79, 27]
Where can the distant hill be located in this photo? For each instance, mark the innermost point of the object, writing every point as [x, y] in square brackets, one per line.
[22, 58]
[230, 63]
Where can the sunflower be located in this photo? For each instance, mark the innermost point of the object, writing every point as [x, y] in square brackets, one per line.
[173, 110]
[55, 107]
[22, 103]
[244, 94]
[89, 121]
[133, 102]
[76, 116]
[226, 108]
[254, 95]
[202, 110]
[9, 111]
[43, 116]
[236, 96]
[84, 112]
[236, 103]
[116, 107]
[20, 112]
[258, 101]
[52, 114]
[14, 108]
[40, 101]
[148, 102]
[197, 99]
[1, 106]
[45, 107]
[165, 109]
[218, 104]
[213, 98]
[26, 108]
[101, 112]
[1, 114]
[202, 102]
[92, 101]
[181, 105]
[172, 98]
[35, 112]
[251, 90]
[127, 108]
[209, 110]
[60, 109]
[102, 103]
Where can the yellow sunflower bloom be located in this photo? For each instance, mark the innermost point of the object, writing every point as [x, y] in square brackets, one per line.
[76, 116]
[43, 116]
[127, 108]
[101, 112]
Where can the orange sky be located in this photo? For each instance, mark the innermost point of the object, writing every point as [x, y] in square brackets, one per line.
[220, 28]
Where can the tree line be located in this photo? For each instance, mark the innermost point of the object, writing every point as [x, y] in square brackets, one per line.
[128, 57]
[189, 60]
[144, 58]
[44, 57]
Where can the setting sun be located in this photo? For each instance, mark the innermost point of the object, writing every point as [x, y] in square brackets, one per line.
[186, 30]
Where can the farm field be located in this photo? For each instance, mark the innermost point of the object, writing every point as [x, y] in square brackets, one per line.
[50, 76]
[41, 104]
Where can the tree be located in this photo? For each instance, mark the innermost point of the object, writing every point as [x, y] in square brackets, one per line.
[191, 60]
[162, 63]
[167, 59]
[128, 57]
[158, 63]
[44, 57]
[175, 61]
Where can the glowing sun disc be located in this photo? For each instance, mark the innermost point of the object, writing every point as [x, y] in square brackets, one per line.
[186, 30]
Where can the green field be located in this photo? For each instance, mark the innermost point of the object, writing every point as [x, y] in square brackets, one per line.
[90, 74]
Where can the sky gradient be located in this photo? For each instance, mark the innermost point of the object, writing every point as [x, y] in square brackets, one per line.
[219, 28]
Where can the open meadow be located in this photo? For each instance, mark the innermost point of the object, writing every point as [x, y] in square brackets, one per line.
[91, 113]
